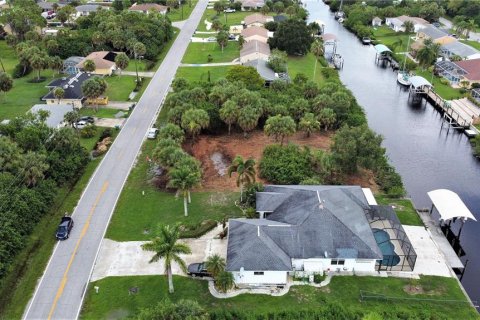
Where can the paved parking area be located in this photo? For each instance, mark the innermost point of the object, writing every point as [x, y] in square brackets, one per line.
[128, 259]
[109, 122]
[430, 260]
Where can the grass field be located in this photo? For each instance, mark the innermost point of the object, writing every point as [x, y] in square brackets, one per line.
[18, 286]
[154, 207]
[119, 87]
[388, 37]
[197, 52]
[201, 73]
[403, 207]
[229, 19]
[305, 65]
[113, 298]
[7, 57]
[177, 15]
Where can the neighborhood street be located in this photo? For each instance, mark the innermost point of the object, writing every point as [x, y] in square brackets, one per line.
[60, 292]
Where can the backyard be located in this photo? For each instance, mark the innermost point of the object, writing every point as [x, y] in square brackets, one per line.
[114, 301]
[306, 65]
[198, 52]
[404, 209]
[229, 19]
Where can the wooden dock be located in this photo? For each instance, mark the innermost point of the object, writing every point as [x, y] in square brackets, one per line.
[459, 113]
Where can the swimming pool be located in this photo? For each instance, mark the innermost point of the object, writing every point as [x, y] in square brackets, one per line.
[390, 258]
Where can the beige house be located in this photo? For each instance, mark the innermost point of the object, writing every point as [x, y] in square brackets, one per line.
[435, 34]
[147, 7]
[257, 19]
[254, 50]
[104, 62]
[255, 33]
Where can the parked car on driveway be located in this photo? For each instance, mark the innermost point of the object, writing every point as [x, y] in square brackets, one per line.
[64, 228]
[87, 119]
[229, 10]
[80, 124]
[198, 270]
[152, 133]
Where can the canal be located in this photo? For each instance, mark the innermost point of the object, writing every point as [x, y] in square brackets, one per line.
[426, 154]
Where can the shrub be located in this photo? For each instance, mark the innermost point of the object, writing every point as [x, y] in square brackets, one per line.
[197, 230]
[88, 131]
[149, 64]
[285, 164]
[107, 132]
[20, 71]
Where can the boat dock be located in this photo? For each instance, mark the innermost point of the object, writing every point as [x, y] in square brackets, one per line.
[460, 112]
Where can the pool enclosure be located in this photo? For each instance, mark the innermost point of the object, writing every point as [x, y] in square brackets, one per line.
[397, 250]
[450, 71]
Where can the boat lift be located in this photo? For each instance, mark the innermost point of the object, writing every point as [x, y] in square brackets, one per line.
[334, 59]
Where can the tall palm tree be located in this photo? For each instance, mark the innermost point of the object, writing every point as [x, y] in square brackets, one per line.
[245, 172]
[166, 246]
[184, 178]
[215, 264]
[428, 54]
[317, 50]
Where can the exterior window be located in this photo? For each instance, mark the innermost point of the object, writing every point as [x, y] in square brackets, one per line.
[338, 262]
[258, 273]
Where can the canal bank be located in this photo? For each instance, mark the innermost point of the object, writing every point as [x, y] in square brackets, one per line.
[424, 150]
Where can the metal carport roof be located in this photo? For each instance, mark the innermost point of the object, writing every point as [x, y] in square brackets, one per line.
[449, 205]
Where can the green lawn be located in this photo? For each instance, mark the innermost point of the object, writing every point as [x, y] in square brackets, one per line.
[201, 73]
[113, 298]
[234, 18]
[154, 207]
[387, 36]
[403, 207]
[17, 287]
[119, 87]
[23, 95]
[140, 64]
[197, 52]
[444, 90]
[471, 43]
[305, 65]
[176, 14]
[7, 57]
[102, 112]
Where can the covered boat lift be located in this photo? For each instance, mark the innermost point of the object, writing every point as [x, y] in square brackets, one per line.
[418, 87]
[383, 53]
[329, 39]
[450, 208]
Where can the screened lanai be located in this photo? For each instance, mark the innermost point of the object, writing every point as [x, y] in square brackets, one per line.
[450, 71]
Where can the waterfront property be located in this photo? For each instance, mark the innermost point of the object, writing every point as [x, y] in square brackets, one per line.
[315, 229]
[254, 50]
[398, 23]
[457, 48]
[458, 71]
[148, 7]
[255, 33]
[257, 20]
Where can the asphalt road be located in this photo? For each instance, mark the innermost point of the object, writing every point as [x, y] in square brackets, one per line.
[60, 292]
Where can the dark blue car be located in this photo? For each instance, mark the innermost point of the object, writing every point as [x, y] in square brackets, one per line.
[64, 228]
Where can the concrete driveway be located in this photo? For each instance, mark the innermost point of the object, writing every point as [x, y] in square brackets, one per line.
[128, 259]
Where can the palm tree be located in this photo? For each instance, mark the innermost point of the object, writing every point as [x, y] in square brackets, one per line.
[245, 172]
[194, 120]
[89, 65]
[229, 113]
[427, 55]
[327, 118]
[224, 281]
[317, 50]
[409, 26]
[215, 265]
[166, 246]
[34, 168]
[183, 179]
[309, 124]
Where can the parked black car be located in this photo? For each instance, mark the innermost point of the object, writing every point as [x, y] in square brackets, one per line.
[64, 228]
[198, 270]
[87, 119]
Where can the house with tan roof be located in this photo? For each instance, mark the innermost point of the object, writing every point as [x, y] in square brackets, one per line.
[148, 7]
[257, 20]
[397, 23]
[255, 33]
[253, 50]
[104, 62]
[252, 4]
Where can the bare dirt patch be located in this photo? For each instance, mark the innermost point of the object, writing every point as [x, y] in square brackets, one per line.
[217, 152]
[413, 289]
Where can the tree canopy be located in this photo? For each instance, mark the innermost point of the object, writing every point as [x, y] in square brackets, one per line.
[293, 37]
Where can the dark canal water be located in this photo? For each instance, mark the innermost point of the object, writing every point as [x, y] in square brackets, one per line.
[427, 155]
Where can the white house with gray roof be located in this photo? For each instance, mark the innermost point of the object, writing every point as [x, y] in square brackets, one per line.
[302, 228]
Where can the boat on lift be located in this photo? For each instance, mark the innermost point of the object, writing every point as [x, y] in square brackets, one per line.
[403, 76]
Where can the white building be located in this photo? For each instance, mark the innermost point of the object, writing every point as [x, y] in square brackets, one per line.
[56, 113]
[397, 23]
[308, 229]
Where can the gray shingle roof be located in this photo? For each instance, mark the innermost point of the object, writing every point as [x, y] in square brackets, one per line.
[57, 113]
[262, 68]
[335, 228]
[72, 86]
[460, 49]
[433, 33]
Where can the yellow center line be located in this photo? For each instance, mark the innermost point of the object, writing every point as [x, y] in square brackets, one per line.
[72, 257]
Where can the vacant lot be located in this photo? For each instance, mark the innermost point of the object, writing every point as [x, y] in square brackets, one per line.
[119, 87]
[197, 52]
[113, 299]
[202, 74]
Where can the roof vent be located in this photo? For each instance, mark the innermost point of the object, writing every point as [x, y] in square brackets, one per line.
[326, 254]
[65, 86]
